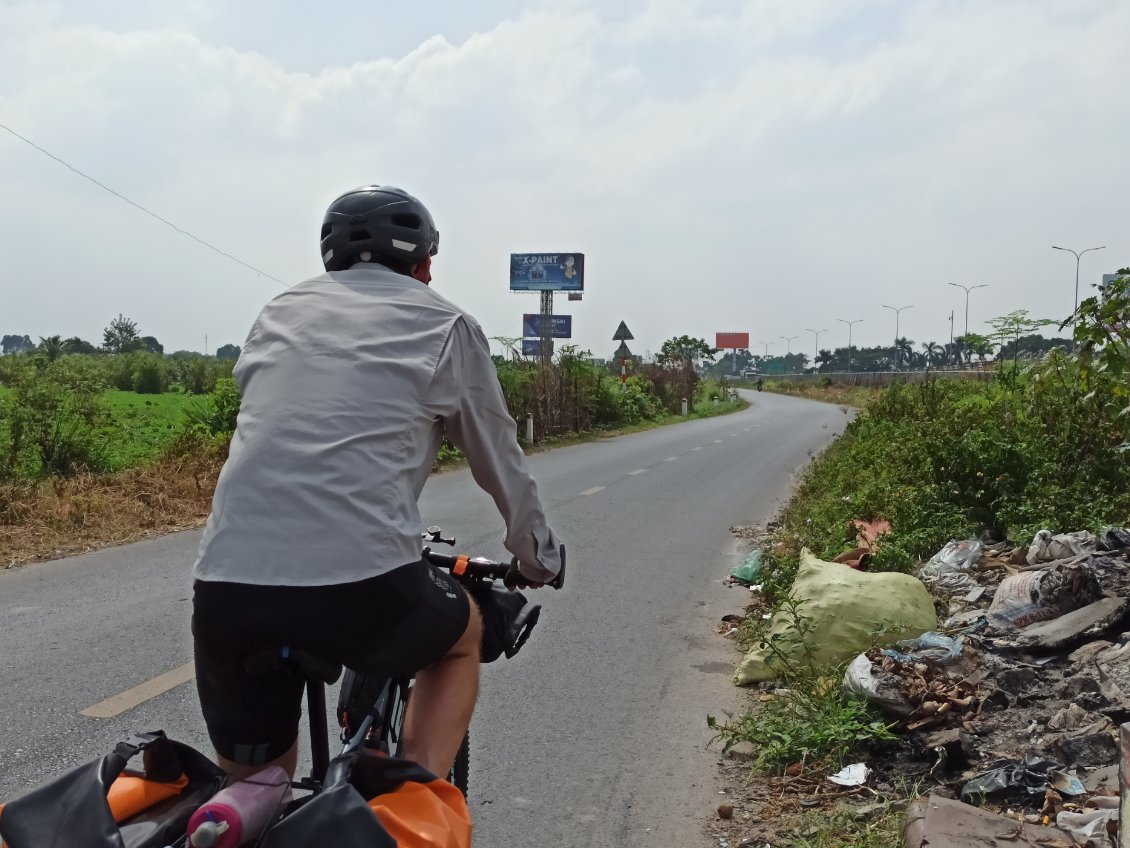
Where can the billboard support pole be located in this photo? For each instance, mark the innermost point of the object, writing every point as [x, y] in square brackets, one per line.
[546, 326]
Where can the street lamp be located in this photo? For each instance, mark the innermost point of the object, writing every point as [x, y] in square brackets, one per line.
[1078, 254]
[816, 348]
[788, 347]
[898, 311]
[850, 325]
[766, 356]
[968, 289]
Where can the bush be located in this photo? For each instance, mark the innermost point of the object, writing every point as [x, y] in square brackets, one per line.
[149, 375]
[217, 414]
[55, 420]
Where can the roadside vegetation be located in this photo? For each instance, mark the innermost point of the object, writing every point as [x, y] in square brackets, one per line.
[1044, 445]
[108, 444]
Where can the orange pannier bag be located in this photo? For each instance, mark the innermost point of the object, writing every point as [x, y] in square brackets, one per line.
[370, 800]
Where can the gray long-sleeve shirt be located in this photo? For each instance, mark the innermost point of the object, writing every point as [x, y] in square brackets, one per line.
[348, 382]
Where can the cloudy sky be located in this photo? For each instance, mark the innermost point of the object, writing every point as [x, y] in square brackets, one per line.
[764, 166]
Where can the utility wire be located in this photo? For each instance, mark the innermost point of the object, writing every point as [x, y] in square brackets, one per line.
[142, 208]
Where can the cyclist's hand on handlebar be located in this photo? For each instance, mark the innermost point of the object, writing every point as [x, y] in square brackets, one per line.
[516, 580]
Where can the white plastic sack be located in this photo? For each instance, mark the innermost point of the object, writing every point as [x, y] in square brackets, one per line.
[1047, 548]
[884, 690]
[846, 608]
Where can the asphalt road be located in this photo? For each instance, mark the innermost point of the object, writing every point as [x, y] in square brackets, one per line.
[595, 735]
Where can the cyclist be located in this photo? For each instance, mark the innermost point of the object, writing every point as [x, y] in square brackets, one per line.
[348, 383]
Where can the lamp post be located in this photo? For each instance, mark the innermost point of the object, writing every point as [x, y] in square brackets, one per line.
[816, 345]
[788, 348]
[1078, 255]
[898, 311]
[850, 325]
[968, 289]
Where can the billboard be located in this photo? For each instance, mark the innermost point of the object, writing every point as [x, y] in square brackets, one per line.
[562, 326]
[532, 347]
[731, 341]
[547, 272]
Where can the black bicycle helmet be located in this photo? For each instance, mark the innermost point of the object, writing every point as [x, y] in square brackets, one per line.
[387, 223]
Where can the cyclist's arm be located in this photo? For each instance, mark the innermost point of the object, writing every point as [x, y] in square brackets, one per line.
[480, 425]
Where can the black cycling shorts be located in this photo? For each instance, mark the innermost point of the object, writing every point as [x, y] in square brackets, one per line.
[391, 625]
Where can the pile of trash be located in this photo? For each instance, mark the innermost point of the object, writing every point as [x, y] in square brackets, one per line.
[1014, 703]
[1009, 703]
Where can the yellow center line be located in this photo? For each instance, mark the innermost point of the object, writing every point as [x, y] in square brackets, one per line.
[159, 685]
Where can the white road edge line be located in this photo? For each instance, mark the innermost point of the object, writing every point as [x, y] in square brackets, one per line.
[698, 448]
[592, 491]
[637, 471]
[159, 685]
[671, 459]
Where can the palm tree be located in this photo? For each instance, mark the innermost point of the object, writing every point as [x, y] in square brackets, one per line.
[904, 350]
[51, 347]
[823, 358]
[932, 351]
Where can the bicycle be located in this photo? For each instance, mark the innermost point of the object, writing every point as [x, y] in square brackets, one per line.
[370, 710]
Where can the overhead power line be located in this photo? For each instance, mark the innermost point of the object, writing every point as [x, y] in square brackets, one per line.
[148, 212]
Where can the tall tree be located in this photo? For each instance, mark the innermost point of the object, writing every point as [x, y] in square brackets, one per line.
[228, 351]
[16, 344]
[684, 350]
[121, 336]
[151, 344]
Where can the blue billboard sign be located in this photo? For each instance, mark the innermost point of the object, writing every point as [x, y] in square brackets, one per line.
[547, 272]
[562, 326]
[532, 347]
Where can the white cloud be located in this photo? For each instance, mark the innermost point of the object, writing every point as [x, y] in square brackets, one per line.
[757, 165]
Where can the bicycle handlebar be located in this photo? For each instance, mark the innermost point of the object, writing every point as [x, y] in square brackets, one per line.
[478, 568]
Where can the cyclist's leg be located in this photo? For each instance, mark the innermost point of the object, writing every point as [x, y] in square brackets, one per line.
[252, 719]
[443, 699]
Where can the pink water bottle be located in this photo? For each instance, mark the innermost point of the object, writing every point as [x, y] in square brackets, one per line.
[239, 813]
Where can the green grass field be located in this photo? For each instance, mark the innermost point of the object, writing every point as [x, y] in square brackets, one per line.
[143, 425]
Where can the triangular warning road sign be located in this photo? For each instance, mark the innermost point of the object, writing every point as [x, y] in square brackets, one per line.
[622, 333]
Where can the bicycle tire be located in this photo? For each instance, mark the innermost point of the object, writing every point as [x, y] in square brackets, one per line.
[461, 770]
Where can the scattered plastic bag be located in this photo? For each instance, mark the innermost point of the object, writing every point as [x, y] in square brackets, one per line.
[1114, 539]
[854, 775]
[1091, 825]
[954, 583]
[1033, 775]
[929, 647]
[881, 688]
[954, 557]
[1041, 595]
[748, 570]
[1047, 548]
[846, 608]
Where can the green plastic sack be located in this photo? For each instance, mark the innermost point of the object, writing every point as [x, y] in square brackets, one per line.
[846, 607]
[749, 569]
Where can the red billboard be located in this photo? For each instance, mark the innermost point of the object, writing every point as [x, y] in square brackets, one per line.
[731, 341]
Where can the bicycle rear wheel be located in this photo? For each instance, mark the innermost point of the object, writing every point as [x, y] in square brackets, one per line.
[461, 771]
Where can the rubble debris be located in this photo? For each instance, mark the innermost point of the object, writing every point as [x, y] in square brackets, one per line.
[938, 821]
[1090, 749]
[1074, 627]
[954, 746]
